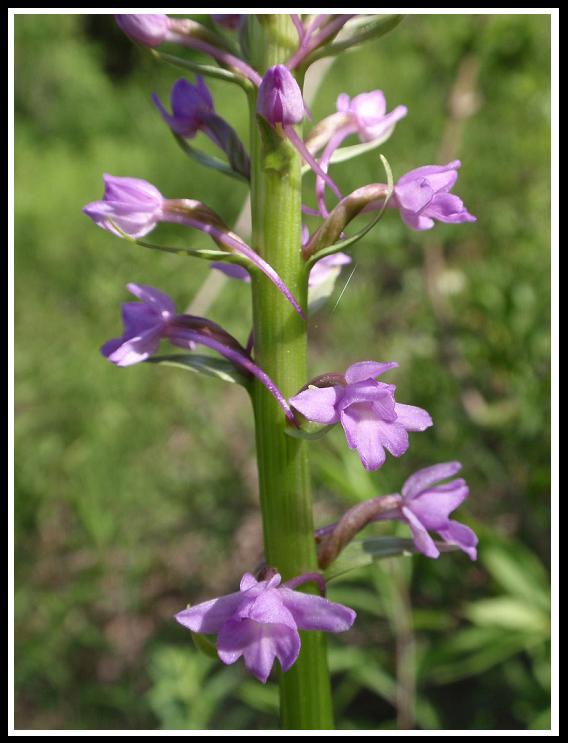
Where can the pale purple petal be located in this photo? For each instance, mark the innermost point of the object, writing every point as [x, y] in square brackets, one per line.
[210, 616]
[362, 431]
[393, 437]
[138, 317]
[412, 417]
[416, 221]
[414, 196]
[325, 266]
[134, 191]
[248, 581]
[260, 644]
[431, 171]
[150, 29]
[423, 541]
[273, 641]
[376, 396]
[153, 297]
[462, 536]
[449, 208]
[433, 507]
[363, 370]
[316, 613]
[318, 404]
[421, 480]
[268, 608]
[133, 350]
[232, 270]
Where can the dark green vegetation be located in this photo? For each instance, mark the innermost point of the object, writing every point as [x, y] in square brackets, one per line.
[136, 489]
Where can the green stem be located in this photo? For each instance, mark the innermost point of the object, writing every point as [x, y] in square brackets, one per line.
[280, 338]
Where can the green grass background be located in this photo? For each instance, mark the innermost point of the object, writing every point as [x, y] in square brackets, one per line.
[136, 489]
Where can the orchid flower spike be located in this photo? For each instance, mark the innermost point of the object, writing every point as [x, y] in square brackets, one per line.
[423, 196]
[260, 622]
[371, 418]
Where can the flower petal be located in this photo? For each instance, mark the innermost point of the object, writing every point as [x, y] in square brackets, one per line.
[412, 418]
[429, 171]
[433, 507]
[153, 297]
[419, 481]
[423, 541]
[316, 613]
[462, 536]
[393, 437]
[268, 608]
[210, 616]
[363, 370]
[414, 196]
[318, 404]
[362, 431]
[132, 350]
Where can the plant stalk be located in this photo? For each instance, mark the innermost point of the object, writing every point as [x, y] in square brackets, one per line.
[280, 348]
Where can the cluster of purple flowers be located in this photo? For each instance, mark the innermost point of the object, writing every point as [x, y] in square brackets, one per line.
[261, 621]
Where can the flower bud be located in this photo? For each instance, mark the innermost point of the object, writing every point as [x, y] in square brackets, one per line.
[191, 106]
[133, 205]
[280, 98]
[150, 29]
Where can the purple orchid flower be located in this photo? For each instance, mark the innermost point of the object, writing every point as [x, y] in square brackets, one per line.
[371, 418]
[365, 115]
[150, 29]
[155, 318]
[136, 207]
[426, 506]
[423, 195]
[261, 622]
[145, 324]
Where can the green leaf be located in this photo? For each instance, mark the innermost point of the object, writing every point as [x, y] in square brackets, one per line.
[208, 254]
[212, 367]
[361, 29]
[508, 613]
[519, 572]
[201, 69]
[364, 552]
[209, 161]
[350, 241]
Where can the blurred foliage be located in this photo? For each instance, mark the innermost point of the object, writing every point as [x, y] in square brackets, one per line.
[136, 488]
